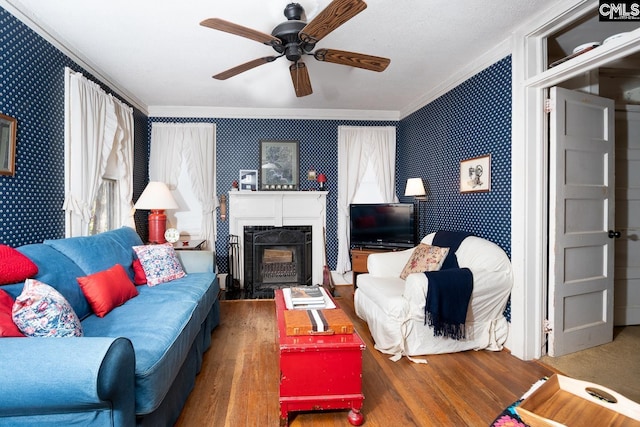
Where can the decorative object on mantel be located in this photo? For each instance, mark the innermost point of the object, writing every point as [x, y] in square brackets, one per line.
[248, 180]
[311, 174]
[234, 185]
[279, 165]
[322, 180]
[8, 131]
[156, 197]
[475, 175]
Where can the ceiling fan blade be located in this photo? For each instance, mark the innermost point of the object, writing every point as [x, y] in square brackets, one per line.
[335, 14]
[239, 30]
[352, 59]
[244, 67]
[300, 79]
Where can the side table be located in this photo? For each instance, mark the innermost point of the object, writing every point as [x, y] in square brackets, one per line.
[359, 261]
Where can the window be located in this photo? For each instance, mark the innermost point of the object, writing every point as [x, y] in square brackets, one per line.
[369, 190]
[103, 214]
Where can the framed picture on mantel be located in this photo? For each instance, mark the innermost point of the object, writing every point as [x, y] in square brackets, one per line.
[279, 165]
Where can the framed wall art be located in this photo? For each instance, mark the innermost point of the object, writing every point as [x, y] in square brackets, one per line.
[475, 175]
[279, 165]
[8, 130]
[248, 180]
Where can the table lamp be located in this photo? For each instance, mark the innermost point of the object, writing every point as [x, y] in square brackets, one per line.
[156, 197]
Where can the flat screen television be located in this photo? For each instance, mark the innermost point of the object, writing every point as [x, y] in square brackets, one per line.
[382, 225]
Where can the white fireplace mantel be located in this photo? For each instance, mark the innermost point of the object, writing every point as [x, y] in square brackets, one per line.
[279, 209]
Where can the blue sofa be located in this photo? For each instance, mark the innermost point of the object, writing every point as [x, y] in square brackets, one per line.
[135, 366]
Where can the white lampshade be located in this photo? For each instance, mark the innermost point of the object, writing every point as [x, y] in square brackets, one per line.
[156, 196]
[415, 188]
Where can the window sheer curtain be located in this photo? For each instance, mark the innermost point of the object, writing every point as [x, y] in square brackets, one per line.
[95, 123]
[196, 143]
[357, 147]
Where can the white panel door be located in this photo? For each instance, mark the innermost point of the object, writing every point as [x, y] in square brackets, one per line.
[627, 270]
[581, 212]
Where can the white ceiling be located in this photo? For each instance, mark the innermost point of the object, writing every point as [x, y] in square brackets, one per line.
[156, 53]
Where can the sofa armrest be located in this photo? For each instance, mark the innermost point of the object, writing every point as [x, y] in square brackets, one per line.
[388, 264]
[197, 261]
[67, 375]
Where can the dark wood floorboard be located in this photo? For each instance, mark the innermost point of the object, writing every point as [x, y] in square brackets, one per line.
[238, 384]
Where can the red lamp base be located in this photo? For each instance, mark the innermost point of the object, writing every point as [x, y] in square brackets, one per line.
[157, 226]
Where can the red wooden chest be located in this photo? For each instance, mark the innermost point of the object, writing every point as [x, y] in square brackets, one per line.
[319, 371]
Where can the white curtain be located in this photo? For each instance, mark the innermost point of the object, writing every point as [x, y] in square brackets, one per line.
[195, 142]
[94, 122]
[124, 158]
[357, 147]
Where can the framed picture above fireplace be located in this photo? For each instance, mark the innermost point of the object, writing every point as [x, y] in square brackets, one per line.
[279, 165]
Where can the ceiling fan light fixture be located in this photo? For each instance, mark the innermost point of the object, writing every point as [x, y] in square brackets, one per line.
[293, 52]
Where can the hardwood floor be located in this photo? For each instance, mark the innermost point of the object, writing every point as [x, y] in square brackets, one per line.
[238, 384]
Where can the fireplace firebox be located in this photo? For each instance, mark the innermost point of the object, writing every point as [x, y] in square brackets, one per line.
[275, 258]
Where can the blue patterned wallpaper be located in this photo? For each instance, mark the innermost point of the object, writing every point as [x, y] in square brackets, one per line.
[32, 91]
[237, 147]
[471, 120]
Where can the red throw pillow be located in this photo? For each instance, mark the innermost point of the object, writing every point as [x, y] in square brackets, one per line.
[107, 289]
[14, 266]
[7, 327]
[139, 278]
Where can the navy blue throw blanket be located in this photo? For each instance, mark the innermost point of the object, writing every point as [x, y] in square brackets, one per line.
[449, 290]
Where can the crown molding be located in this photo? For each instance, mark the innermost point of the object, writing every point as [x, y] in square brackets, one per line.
[272, 113]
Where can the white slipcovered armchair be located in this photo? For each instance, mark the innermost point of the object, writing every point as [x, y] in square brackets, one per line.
[394, 309]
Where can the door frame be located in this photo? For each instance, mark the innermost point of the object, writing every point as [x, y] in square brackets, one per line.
[529, 157]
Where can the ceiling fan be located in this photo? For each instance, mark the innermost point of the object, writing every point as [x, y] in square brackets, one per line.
[295, 38]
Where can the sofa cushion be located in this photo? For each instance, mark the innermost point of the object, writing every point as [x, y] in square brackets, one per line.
[99, 252]
[107, 289]
[162, 323]
[14, 266]
[159, 262]
[424, 258]
[41, 311]
[57, 271]
[139, 278]
[7, 327]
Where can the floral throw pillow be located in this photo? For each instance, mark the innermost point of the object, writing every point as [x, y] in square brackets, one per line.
[160, 263]
[41, 311]
[425, 258]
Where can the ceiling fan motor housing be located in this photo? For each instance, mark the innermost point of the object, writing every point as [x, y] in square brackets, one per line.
[293, 46]
[288, 31]
[293, 11]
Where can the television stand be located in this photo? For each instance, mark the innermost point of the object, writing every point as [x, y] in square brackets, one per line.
[359, 260]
